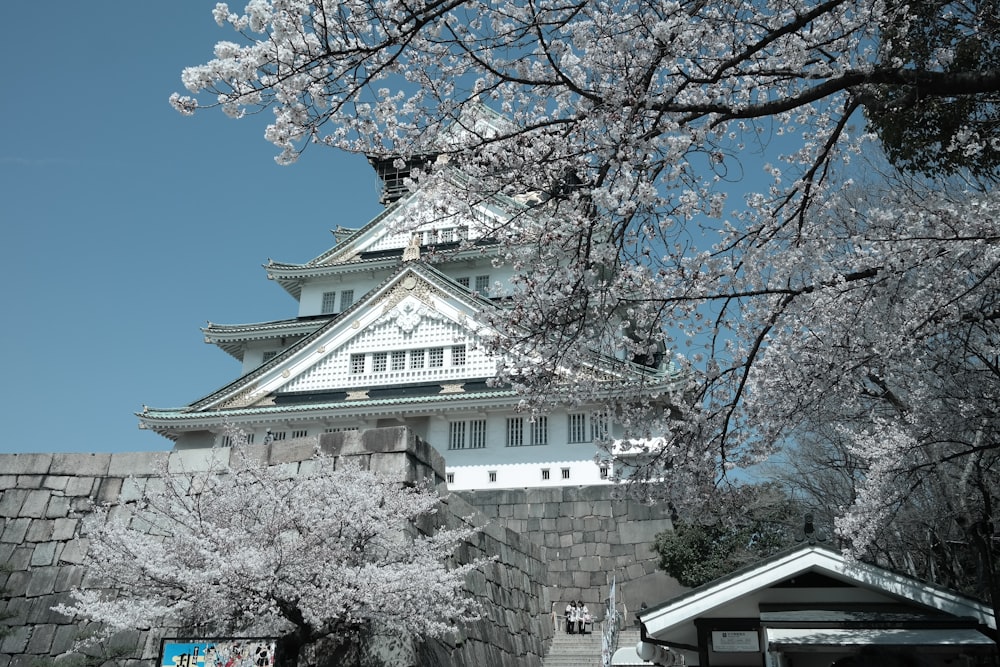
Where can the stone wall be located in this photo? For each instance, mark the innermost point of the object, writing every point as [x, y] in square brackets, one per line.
[43, 498]
[589, 537]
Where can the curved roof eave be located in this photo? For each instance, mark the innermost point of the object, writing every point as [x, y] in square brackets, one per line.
[152, 417]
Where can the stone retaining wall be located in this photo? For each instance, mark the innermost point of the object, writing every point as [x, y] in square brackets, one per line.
[589, 537]
[43, 498]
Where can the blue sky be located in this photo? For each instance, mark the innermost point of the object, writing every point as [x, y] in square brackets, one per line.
[127, 226]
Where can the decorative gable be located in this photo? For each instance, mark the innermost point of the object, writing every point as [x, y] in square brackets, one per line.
[414, 330]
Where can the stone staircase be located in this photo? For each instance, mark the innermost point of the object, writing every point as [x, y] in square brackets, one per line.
[584, 650]
[575, 650]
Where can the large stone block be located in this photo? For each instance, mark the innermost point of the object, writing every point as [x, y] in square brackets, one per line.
[64, 529]
[80, 486]
[41, 639]
[11, 501]
[58, 507]
[56, 482]
[17, 640]
[110, 489]
[93, 465]
[43, 581]
[17, 583]
[25, 464]
[35, 504]
[14, 530]
[44, 554]
[197, 460]
[292, 452]
[140, 464]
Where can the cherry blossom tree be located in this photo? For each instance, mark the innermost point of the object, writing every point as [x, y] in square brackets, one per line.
[614, 130]
[321, 558]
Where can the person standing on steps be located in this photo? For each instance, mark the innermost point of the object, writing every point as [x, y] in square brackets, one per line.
[570, 614]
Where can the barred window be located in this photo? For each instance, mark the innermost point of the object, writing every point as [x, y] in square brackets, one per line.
[600, 429]
[540, 431]
[463, 281]
[299, 434]
[450, 477]
[483, 285]
[417, 358]
[578, 427]
[545, 474]
[379, 361]
[493, 475]
[329, 302]
[565, 473]
[477, 434]
[456, 435]
[436, 357]
[399, 360]
[604, 472]
[515, 431]
[357, 364]
[268, 355]
[346, 299]
[458, 355]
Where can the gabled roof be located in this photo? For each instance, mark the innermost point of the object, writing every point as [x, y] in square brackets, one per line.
[375, 244]
[664, 619]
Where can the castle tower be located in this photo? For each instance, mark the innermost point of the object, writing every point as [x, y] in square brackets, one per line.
[390, 331]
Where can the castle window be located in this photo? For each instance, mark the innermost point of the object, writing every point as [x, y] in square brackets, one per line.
[450, 477]
[456, 435]
[477, 434]
[458, 355]
[399, 360]
[604, 472]
[357, 364]
[447, 235]
[493, 475]
[515, 431]
[540, 431]
[463, 281]
[277, 435]
[565, 473]
[436, 356]
[545, 474]
[379, 362]
[599, 427]
[346, 299]
[329, 303]
[483, 285]
[417, 358]
[299, 434]
[268, 355]
[578, 427]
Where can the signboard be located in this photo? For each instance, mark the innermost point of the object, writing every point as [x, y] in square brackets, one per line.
[225, 652]
[735, 641]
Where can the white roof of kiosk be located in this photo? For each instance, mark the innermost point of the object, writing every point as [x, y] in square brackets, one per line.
[815, 577]
[818, 638]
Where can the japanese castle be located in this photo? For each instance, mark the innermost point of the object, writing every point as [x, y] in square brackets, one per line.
[389, 331]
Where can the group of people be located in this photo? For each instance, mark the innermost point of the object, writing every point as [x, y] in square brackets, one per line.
[577, 618]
